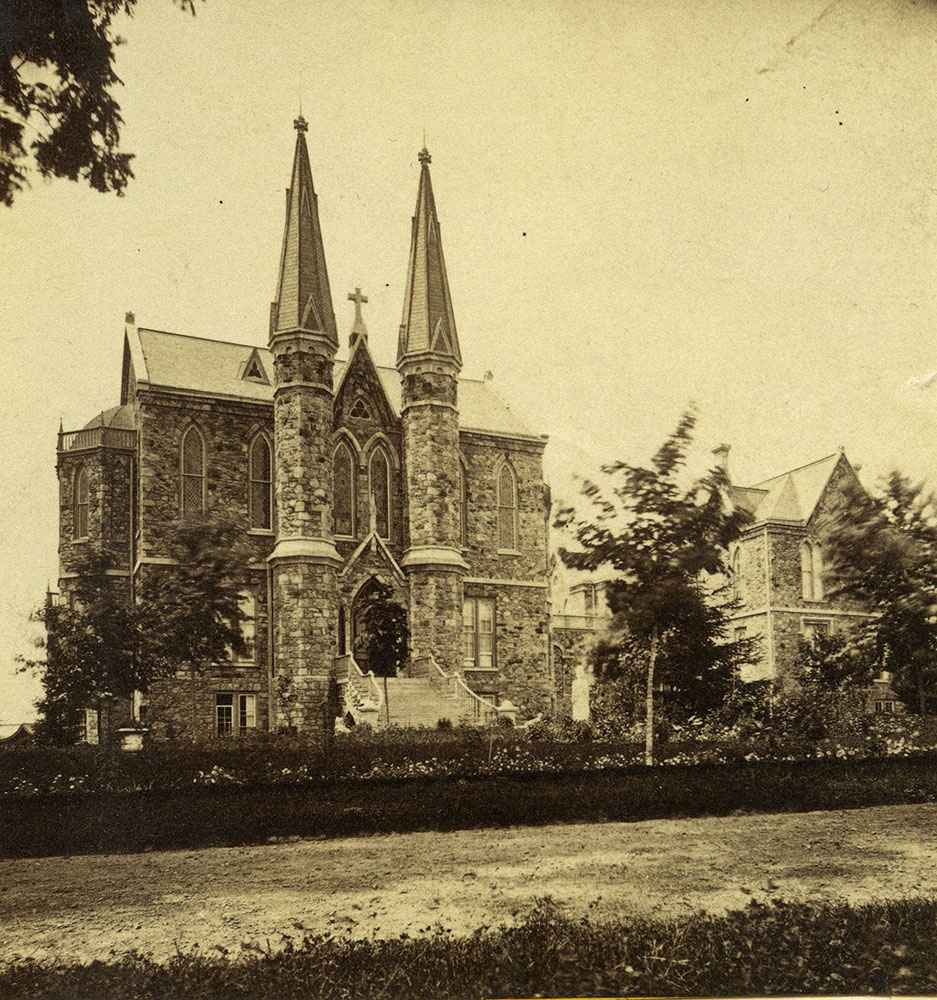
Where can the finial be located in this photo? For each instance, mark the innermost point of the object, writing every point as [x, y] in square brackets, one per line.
[300, 123]
[359, 328]
[424, 157]
[129, 318]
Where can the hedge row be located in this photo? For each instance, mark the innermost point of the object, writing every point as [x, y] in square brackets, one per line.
[779, 949]
[210, 816]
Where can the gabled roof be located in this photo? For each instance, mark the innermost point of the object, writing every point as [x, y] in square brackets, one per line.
[198, 365]
[791, 497]
[428, 323]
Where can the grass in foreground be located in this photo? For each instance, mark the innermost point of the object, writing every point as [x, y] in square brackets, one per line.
[766, 949]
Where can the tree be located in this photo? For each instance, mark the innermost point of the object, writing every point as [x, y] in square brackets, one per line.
[668, 544]
[882, 550]
[193, 609]
[837, 662]
[56, 80]
[91, 652]
[385, 636]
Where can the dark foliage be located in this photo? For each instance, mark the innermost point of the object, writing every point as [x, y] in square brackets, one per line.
[93, 650]
[667, 542]
[208, 815]
[386, 636]
[882, 550]
[57, 81]
[777, 948]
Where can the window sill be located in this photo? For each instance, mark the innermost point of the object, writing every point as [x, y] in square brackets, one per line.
[508, 552]
[262, 532]
[81, 541]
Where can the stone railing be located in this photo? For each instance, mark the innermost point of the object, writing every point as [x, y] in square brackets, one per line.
[98, 437]
[583, 623]
[364, 698]
[471, 706]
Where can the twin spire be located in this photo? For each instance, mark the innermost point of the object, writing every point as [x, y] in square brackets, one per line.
[304, 300]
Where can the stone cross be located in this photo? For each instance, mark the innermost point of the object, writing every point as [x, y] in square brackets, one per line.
[358, 328]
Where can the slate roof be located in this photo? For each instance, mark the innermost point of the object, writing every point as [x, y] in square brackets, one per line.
[792, 496]
[196, 364]
[120, 417]
[428, 323]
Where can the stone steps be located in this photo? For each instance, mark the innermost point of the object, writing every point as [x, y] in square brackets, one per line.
[413, 701]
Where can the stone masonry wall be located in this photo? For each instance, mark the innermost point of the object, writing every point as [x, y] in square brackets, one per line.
[227, 427]
[484, 456]
[305, 602]
[522, 632]
[431, 459]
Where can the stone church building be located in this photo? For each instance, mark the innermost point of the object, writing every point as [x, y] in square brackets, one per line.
[343, 475]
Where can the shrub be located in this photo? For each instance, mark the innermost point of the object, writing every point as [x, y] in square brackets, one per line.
[781, 948]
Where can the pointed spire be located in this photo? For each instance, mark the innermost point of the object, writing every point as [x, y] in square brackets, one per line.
[304, 301]
[428, 324]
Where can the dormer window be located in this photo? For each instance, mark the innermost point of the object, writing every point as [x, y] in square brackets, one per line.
[360, 409]
[254, 369]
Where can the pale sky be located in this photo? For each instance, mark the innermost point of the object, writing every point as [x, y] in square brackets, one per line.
[642, 203]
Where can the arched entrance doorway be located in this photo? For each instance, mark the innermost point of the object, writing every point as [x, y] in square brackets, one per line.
[378, 629]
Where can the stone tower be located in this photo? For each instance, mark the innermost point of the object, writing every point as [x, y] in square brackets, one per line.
[429, 361]
[303, 341]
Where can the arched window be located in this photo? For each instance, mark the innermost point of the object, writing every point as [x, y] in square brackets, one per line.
[248, 605]
[736, 575]
[261, 483]
[379, 474]
[82, 504]
[463, 507]
[193, 473]
[507, 509]
[811, 571]
[343, 481]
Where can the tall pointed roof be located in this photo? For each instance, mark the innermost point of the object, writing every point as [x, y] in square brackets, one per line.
[304, 301]
[428, 323]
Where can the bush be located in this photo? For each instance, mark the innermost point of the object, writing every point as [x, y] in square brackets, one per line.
[219, 810]
[782, 948]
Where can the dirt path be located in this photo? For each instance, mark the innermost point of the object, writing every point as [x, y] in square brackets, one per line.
[85, 907]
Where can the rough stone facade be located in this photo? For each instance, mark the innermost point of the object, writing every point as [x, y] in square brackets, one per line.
[779, 604]
[309, 574]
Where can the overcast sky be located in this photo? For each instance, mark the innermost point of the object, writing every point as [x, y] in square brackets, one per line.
[642, 203]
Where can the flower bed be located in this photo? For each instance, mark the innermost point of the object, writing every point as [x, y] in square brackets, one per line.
[395, 754]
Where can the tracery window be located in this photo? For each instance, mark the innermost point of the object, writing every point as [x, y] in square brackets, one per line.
[343, 484]
[261, 483]
[379, 474]
[360, 409]
[82, 504]
[193, 473]
[507, 509]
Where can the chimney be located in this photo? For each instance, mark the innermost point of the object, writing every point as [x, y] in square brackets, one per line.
[722, 458]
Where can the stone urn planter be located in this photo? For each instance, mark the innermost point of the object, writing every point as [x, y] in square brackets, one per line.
[131, 737]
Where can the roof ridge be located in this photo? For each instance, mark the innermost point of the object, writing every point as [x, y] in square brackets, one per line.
[798, 468]
[210, 340]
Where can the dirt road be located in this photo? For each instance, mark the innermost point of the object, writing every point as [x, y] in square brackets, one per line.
[85, 907]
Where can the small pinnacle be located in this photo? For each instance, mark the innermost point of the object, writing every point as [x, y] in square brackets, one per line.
[424, 157]
[300, 124]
